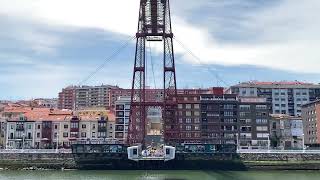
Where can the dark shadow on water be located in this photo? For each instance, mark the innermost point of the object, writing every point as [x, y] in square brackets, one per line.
[227, 175]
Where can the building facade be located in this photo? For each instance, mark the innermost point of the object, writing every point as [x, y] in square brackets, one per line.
[219, 118]
[189, 118]
[254, 118]
[49, 128]
[286, 97]
[93, 96]
[286, 132]
[66, 98]
[311, 119]
[122, 115]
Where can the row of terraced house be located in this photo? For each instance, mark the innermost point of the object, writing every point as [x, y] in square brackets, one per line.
[27, 127]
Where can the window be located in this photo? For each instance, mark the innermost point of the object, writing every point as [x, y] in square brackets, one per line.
[93, 134]
[39, 127]
[229, 120]
[180, 106]
[38, 135]
[261, 114]
[262, 135]
[188, 120]
[228, 106]
[29, 136]
[84, 126]
[74, 134]
[102, 134]
[188, 135]
[196, 113]
[196, 120]
[196, 127]
[75, 125]
[188, 128]
[244, 107]
[65, 126]
[245, 121]
[188, 113]
[93, 126]
[83, 134]
[243, 114]
[261, 106]
[196, 106]
[56, 126]
[262, 121]
[29, 126]
[188, 106]
[262, 128]
[65, 134]
[228, 113]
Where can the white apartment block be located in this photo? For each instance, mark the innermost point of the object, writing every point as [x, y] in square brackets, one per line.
[286, 97]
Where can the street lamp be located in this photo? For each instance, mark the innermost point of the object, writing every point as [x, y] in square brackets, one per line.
[57, 145]
[237, 135]
[23, 140]
[268, 142]
[303, 147]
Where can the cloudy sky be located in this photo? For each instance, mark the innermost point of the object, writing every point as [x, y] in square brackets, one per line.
[46, 45]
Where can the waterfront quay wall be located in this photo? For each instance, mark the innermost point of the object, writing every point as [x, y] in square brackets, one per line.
[281, 161]
[37, 161]
[239, 161]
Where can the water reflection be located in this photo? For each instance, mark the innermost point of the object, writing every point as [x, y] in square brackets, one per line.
[159, 175]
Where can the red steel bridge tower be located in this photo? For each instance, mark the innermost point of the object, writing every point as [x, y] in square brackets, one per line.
[154, 26]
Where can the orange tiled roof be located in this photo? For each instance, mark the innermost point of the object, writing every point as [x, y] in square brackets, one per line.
[40, 114]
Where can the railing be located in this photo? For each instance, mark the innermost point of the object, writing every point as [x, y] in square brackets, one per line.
[36, 151]
[265, 151]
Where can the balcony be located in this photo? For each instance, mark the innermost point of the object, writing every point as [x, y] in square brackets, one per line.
[102, 129]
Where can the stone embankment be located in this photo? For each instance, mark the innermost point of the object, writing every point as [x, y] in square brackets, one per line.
[257, 161]
[281, 161]
[37, 161]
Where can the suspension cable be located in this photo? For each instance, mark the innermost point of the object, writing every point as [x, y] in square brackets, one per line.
[113, 55]
[199, 61]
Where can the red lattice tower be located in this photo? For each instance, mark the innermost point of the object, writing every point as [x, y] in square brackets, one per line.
[154, 25]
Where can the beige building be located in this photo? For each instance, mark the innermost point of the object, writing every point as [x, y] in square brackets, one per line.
[45, 128]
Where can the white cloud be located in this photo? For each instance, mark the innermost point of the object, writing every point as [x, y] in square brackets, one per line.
[287, 33]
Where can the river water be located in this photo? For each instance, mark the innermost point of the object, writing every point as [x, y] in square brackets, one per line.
[160, 175]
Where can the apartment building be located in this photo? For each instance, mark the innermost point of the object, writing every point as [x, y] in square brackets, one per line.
[66, 98]
[219, 118]
[254, 122]
[189, 118]
[122, 115]
[286, 132]
[81, 97]
[286, 97]
[311, 119]
[93, 96]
